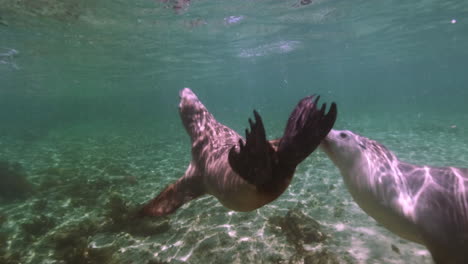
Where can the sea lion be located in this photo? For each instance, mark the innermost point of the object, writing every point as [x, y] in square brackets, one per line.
[426, 205]
[243, 174]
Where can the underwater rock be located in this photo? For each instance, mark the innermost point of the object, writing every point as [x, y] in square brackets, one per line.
[13, 181]
[122, 217]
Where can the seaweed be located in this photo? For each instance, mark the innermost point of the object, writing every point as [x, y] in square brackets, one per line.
[3, 238]
[301, 229]
[3, 243]
[81, 191]
[5, 256]
[321, 257]
[37, 226]
[13, 181]
[395, 249]
[10, 258]
[123, 217]
[100, 255]
[339, 210]
[156, 261]
[113, 169]
[70, 244]
[3, 219]
[118, 212]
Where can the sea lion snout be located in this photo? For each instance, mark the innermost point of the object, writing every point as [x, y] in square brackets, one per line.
[189, 103]
[343, 147]
[187, 94]
[188, 100]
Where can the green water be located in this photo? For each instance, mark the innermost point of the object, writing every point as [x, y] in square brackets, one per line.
[88, 107]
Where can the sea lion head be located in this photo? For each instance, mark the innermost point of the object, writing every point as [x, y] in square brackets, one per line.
[189, 102]
[344, 148]
[193, 113]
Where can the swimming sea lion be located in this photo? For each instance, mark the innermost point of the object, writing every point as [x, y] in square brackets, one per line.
[242, 174]
[426, 205]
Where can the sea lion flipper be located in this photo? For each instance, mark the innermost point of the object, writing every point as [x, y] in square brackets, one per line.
[306, 128]
[254, 159]
[173, 197]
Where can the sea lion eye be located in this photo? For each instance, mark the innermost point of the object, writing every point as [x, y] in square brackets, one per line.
[343, 135]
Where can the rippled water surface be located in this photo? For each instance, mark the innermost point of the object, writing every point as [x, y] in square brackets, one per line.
[89, 121]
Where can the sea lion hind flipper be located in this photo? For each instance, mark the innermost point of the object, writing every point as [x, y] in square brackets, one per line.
[171, 198]
[253, 160]
[306, 128]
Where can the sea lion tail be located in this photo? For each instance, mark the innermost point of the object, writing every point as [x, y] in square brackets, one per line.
[172, 197]
[306, 128]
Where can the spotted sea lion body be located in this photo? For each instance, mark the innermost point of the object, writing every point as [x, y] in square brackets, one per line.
[243, 174]
[424, 204]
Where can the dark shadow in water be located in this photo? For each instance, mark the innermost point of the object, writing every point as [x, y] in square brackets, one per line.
[13, 181]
